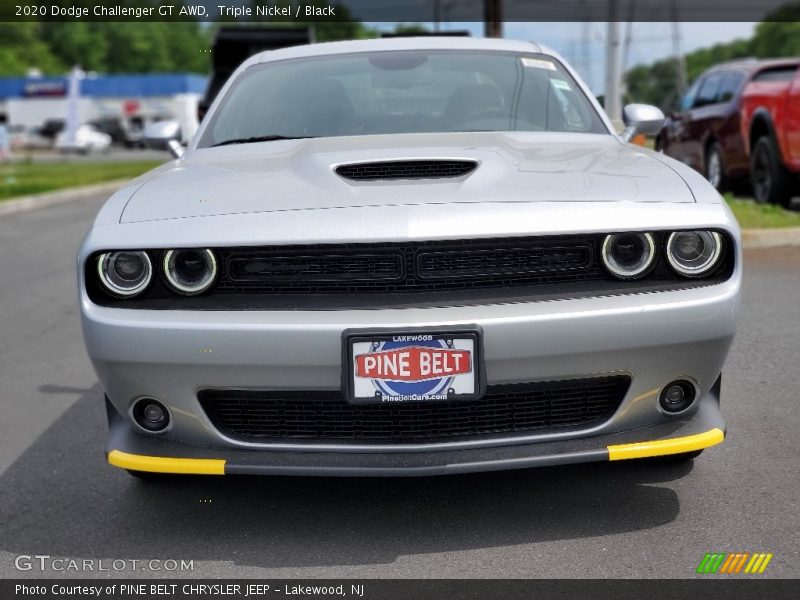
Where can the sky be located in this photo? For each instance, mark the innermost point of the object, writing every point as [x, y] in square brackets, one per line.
[583, 44]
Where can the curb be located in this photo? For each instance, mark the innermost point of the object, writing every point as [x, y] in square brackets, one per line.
[27, 203]
[751, 238]
[770, 238]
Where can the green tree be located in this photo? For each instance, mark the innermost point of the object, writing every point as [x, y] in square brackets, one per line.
[653, 84]
[22, 49]
[118, 47]
[76, 43]
[410, 28]
[777, 38]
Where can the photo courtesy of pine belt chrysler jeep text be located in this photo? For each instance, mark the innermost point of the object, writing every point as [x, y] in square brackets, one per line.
[409, 256]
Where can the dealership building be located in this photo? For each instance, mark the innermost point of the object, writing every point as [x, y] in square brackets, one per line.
[131, 101]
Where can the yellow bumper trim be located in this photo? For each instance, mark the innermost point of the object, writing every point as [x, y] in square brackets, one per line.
[158, 464]
[677, 445]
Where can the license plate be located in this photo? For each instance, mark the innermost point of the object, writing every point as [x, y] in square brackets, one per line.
[412, 366]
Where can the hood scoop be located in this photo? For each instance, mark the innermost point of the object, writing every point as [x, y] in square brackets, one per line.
[406, 169]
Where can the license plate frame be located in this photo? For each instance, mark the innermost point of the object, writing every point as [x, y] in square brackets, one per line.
[431, 342]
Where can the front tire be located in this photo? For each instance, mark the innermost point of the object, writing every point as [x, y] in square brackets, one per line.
[771, 181]
[715, 168]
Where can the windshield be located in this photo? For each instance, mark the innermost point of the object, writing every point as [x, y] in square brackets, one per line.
[400, 92]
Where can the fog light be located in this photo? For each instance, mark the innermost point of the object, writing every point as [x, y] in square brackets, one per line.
[676, 396]
[150, 414]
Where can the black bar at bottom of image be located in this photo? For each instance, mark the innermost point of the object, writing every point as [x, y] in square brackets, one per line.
[401, 589]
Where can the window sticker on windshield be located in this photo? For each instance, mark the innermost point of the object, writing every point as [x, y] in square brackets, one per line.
[561, 84]
[536, 63]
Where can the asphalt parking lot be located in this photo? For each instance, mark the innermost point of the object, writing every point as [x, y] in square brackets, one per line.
[58, 497]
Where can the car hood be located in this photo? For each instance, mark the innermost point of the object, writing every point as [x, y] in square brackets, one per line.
[299, 174]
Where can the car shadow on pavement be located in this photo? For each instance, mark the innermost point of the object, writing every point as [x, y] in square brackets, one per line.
[62, 499]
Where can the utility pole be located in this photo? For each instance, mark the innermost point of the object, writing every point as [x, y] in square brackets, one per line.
[613, 100]
[492, 18]
[677, 51]
[586, 53]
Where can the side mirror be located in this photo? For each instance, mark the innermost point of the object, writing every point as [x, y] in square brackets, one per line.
[641, 118]
[164, 135]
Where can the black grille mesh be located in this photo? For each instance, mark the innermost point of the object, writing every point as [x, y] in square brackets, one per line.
[406, 169]
[314, 267]
[409, 267]
[502, 261]
[262, 416]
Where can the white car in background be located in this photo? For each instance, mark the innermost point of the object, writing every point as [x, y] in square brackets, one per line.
[87, 140]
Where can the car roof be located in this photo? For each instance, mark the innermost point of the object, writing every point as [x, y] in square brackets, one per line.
[394, 44]
[751, 66]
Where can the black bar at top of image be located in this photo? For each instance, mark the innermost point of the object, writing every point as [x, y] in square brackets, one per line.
[711, 588]
[400, 10]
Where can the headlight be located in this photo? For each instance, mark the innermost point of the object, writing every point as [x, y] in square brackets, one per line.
[628, 255]
[125, 273]
[191, 271]
[694, 253]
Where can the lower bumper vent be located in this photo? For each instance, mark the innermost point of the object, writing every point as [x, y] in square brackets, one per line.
[270, 416]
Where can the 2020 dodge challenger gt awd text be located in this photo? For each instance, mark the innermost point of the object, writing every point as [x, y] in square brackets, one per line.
[409, 257]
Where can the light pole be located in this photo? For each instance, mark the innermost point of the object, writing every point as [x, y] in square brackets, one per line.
[613, 100]
[492, 18]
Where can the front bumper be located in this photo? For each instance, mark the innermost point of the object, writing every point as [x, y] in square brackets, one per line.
[653, 338]
[129, 450]
[171, 355]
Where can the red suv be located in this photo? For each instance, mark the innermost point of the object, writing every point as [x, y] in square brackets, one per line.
[706, 131]
[770, 121]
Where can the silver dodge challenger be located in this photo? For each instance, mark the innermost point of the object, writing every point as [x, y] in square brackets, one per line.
[409, 257]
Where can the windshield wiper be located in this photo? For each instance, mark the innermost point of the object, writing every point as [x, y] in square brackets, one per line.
[261, 138]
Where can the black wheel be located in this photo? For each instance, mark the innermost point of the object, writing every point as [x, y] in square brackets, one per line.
[771, 181]
[715, 168]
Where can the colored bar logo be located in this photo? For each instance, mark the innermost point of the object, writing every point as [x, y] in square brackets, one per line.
[734, 562]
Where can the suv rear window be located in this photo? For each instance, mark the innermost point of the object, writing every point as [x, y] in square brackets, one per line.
[778, 74]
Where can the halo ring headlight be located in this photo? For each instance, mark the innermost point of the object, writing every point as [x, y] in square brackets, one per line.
[694, 253]
[124, 273]
[628, 255]
[190, 271]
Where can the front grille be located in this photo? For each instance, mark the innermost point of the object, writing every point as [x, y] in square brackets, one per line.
[375, 275]
[406, 169]
[269, 416]
[409, 267]
[502, 262]
[322, 267]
